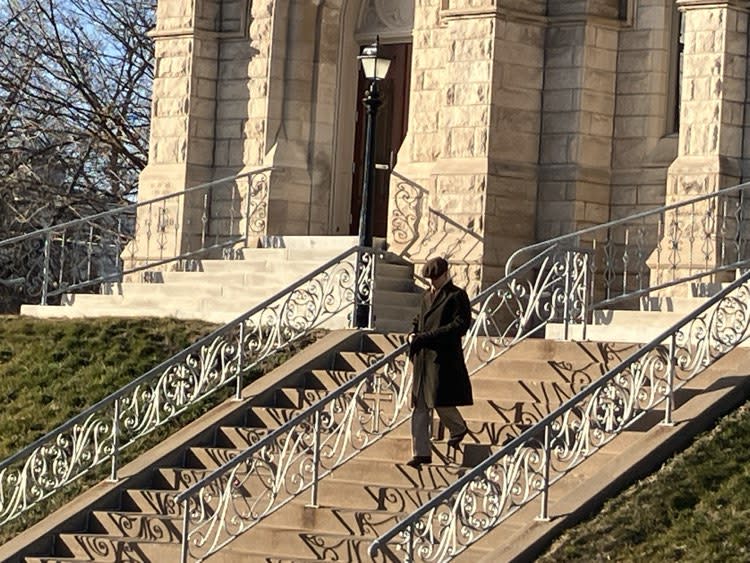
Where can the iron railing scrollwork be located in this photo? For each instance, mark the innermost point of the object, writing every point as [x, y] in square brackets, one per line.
[526, 467]
[296, 456]
[225, 356]
[704, 238]
[200, 221]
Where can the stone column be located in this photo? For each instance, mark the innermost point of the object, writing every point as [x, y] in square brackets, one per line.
[301, 114]
[710, 156]
[181, 144]
[578, 122]
[467, 170]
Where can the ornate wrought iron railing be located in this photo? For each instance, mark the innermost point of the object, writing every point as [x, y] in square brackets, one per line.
[525, 468]
[100, 248]
[100, 433]
[296, 456]
[698, 238]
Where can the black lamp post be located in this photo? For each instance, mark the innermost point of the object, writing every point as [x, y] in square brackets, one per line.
[375, 69]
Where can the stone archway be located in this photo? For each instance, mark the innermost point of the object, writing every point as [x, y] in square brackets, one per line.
[361, 22]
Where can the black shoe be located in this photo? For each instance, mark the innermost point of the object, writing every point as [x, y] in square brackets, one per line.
[454, 441]
[418, 460]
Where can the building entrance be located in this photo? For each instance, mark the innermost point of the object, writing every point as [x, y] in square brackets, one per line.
[390, 130]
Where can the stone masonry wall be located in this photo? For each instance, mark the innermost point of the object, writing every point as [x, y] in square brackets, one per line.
[579, 107]
[181, 144]
[464, 180]
[644, 144]
[714, 91]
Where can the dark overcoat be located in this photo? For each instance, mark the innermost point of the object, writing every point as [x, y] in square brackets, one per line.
[439, 369]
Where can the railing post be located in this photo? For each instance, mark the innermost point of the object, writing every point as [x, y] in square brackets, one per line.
[410, 545]
[247, 207]
[185, 531]
[544, 510]
[238, 390]
[316, 461]
[45, 268]
[115, 442]
[566, 300]
[205, 218]
[376, 415]
[373, 265]
[362, 309]
[668, 408]
[60, 276]
[89, 253]
[588, 290]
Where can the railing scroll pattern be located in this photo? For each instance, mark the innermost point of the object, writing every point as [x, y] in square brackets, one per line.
[296, 456]
[701, 239]
[525, 468]
[225, 356]
[105, 247]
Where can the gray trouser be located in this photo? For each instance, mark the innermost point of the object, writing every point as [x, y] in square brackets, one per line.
[421, 425]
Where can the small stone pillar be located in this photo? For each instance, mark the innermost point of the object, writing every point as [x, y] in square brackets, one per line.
[713, 93]
[578, 122]
[181, 146]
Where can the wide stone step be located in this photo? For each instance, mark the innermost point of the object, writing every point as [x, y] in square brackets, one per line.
[559, 350]
[209, 458]
[355, 361]
[399, 283]
[364, 496]
[405, 300]
[150, 527]
[392, 270]
[270, 417]
[55, 559]
[299, 516]
[396, 473]
[240, 437]
[386, 324]
[329, 379]
[106, 549]
[177, 478]
[263, 543]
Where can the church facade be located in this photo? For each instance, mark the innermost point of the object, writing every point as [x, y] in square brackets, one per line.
[504, 122]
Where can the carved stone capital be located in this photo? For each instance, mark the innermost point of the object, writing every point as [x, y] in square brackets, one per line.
[740, 5]
[386, 18]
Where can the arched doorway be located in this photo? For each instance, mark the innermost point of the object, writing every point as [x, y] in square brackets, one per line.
[365, 20]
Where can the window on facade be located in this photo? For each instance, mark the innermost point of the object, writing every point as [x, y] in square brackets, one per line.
[622, 9]
[677, 46]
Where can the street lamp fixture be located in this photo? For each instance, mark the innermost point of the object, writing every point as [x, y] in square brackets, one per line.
[375, 68]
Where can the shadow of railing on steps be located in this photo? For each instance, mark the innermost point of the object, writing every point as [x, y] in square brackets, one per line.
[224, 357]
[294, 458]
[525, 468]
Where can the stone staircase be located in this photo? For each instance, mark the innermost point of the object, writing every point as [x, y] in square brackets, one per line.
[221, 290]
[141, 522]
[138, 520]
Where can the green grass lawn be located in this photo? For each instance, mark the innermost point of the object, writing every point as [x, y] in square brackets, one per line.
[695, 508]
[51, 370]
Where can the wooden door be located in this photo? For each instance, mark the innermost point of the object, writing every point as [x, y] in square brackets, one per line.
[390, 129]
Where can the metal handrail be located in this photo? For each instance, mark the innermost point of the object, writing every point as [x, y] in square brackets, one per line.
[131, 207]
[662, 247]
[643, 381]
[575, 236]
[92, 250]
[101, 431]
[295, 456]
